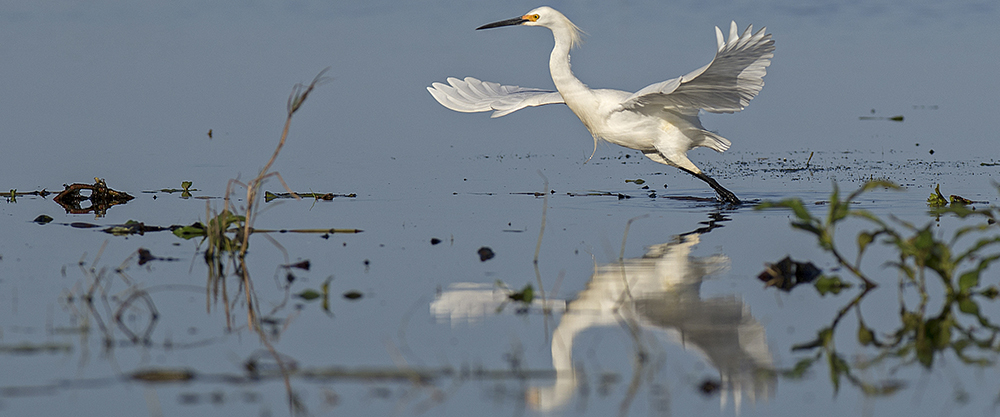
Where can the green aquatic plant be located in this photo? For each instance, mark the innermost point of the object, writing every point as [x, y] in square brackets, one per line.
[824, 228]
[937, 199]
[959, 327]
[216, 233]
[522, 298]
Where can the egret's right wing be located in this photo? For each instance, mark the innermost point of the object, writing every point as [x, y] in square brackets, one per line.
[471, 95]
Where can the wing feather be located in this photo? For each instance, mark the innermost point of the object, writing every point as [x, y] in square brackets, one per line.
[472, 95]
[725, 85]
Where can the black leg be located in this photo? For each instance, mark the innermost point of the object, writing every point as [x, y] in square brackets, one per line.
[725, 195]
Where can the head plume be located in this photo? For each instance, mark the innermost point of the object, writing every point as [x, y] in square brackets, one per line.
[554, 20]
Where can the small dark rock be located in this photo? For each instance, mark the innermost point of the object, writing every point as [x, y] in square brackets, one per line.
[485, 254]
[709, 387]
[145, 256]
[435, 241]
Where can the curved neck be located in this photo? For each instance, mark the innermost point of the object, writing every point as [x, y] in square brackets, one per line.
[562, 76]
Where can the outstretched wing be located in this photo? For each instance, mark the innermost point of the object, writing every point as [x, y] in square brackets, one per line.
[471, 95]
[725, 85]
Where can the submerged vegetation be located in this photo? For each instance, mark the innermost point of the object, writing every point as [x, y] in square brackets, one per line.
[956, 264]
[130, 316]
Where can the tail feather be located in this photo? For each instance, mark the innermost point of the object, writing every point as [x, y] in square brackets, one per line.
[713, 141]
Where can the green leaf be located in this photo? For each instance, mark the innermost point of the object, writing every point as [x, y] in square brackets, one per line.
[969, 307]
[800, 210]
[939, 332]
[809, 227]
[325, 289]
[838, 211]
[830, 285]
[309, 294]
[865, 335]
[910, 321]
[864, 238]
[526, 295]
[867, 215]
[871, 185]
[937, 199]
[189, 232]
[800, 368]
[838, 366]
[794, 204]
[925, 354]
[823, 338]
[968, 280]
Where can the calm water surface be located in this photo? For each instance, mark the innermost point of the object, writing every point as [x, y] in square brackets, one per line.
[128, 93]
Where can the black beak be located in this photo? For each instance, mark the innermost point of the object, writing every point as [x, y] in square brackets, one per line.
[508, 22]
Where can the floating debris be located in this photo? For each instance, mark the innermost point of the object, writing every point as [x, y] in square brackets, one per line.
[600, 193]
[709, 387]
[786, 274]
[83, 225]
[485, 254]
[32, 348]
[937, 200]
[146, 256]
[43, 219]
[323, 294]
[185, 190]
[13, 194]
[536, 193]
[101, 198]
[268, 196]
[198, 230]
[352, 295]
[303, 265]
[435, 241]
[893, 118]
[133, 227]
[959, 200]
[163, 375]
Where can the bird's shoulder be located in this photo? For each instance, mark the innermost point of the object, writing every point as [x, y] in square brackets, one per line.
[607, 96]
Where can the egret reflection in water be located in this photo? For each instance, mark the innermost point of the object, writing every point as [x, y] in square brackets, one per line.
[659, 291]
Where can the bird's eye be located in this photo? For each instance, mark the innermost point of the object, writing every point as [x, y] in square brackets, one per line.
[534, 17]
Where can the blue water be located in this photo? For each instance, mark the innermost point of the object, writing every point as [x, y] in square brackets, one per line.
[129, 93]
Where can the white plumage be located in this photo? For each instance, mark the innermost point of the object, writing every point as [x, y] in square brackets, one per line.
[660, 120]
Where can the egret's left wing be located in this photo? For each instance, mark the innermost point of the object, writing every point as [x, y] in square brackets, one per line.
[725, 85]
[471, 95]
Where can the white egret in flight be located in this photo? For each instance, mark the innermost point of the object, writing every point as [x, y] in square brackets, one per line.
[660, 120]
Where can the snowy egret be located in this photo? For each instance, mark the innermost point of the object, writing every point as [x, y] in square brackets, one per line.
[660, 120]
